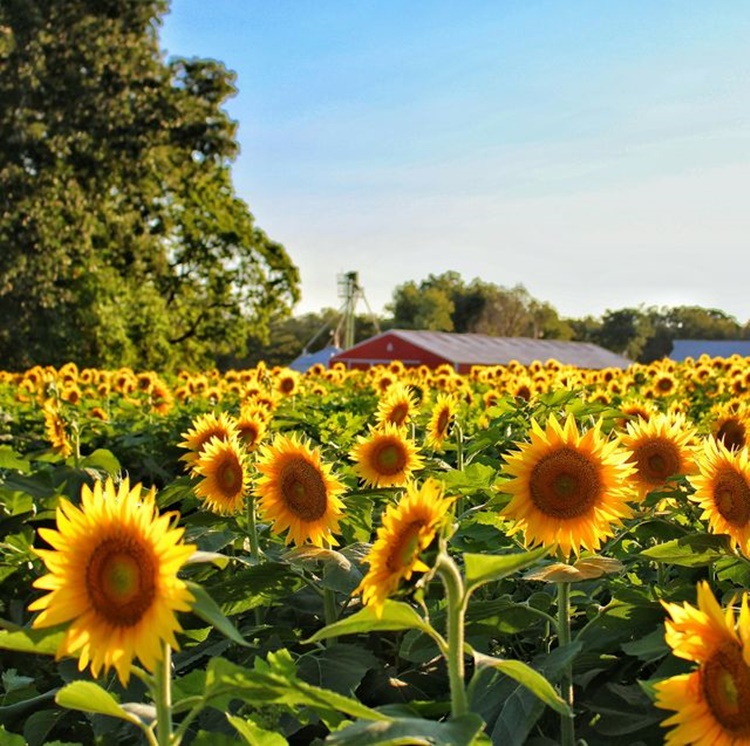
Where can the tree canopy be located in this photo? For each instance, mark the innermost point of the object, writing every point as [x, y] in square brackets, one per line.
[447, 303]
[122, 240]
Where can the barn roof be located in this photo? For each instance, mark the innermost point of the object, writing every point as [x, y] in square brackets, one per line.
[682, 348]
[482, 349]
[306, 360]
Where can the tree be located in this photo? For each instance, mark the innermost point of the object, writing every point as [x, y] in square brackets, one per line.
[625, 331]
[446, 303]
[422, 307]
[122, 241]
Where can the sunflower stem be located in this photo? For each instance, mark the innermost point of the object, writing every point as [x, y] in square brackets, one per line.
[330, 610]
[252, 529]
[252, 536]
[163, 697]
[567, 724]
[459, 464]
[456, 598]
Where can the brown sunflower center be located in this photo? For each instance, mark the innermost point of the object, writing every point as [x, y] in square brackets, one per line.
[732, 434]
[249, 434]
[732, 497]
[121, 580]
[389, 458]
[725, 683]
[523, 392]
[398, 414]
[406, 547]
[229, 474]
[443, 420]
[287, 385]
[665, 385]
[564, 484]
[657, 460]
[304, 490]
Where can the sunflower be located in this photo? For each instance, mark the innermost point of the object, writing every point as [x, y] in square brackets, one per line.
[385, 457]
[55, 430]
[252, 426]
[730, 425]
[722, 489]
[664, 384]
[223, 466]
[396, 405]
[287, 382]
[298, 492]
[569, 489]
[113, 575]
[441, 419]
[662, 447]
[205, 427]
[712, 702]
[407, 529]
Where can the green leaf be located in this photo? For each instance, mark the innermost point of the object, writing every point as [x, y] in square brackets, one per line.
[39, 724]
[88, 696]
[205, 607]
[692, 550]
[37, 486]
[459, 731]
[101, 460]
[339, 572]
[484, 568]
[11, 739]
[12, 680]
[43, 641]
[214, 558]
[528, 677]
[9, 459]
[649, 648]
[275, 681]
[339, 667]
[510, 709]
[396, 615]
[472, 478]
[254, 735]
[254, 586]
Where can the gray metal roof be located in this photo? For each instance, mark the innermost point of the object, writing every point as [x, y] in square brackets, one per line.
[482, 349]
[682, 348]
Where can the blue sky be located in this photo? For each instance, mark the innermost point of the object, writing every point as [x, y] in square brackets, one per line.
[596, 152]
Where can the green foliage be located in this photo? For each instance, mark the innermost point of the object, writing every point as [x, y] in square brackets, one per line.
[446, 303]
[122, 241]
[278, 648]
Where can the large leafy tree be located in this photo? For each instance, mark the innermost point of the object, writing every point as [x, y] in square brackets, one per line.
[122, 241]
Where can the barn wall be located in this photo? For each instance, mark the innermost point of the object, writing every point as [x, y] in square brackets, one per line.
[383, 350]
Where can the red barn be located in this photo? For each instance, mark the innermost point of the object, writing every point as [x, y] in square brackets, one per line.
[462, 351]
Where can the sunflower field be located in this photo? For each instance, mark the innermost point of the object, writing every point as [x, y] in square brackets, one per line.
[521, 555]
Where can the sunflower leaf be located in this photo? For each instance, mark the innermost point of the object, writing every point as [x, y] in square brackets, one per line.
[692, 550]
[396, 615]
[275, 682]
[484, 568]
[42, 641]
[88, 696]
[101, 460]
[206, 608]
[529, 677]
[254, 735]
[215, 558]
[415, 731]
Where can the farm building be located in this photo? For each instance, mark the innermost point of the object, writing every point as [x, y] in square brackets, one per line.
[694, 348]
[462, 351]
